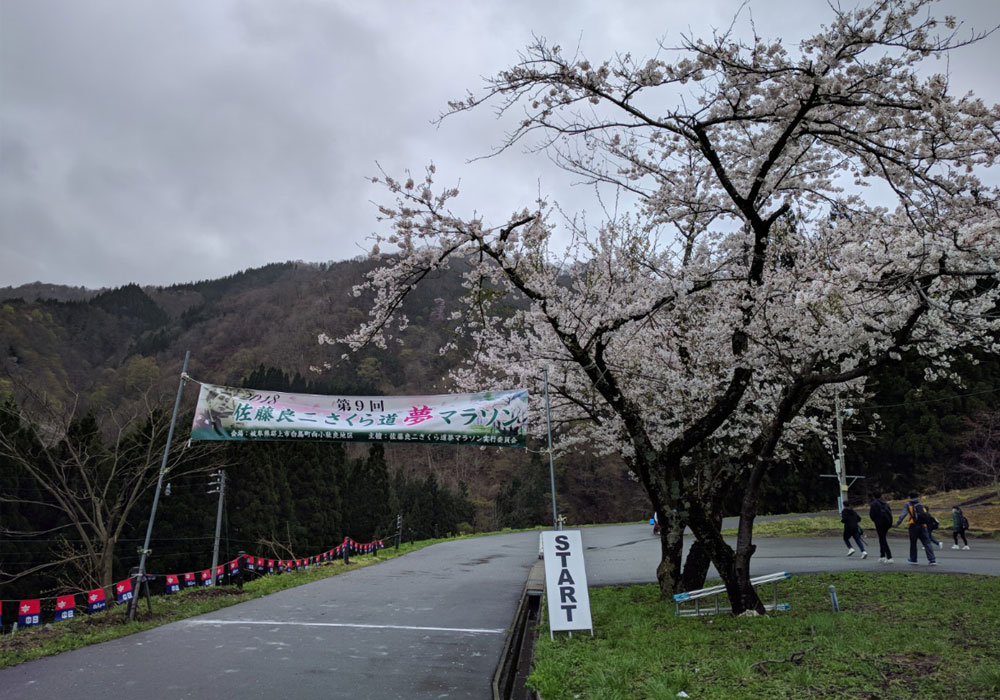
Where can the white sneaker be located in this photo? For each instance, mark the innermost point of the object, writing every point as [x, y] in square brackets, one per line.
[881, 560]
[965, 547]
[864, 555]
[888, 561]
[954, 546]
[850, 551]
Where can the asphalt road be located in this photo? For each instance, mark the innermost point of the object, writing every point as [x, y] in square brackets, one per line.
[621, 554]
[428, 625]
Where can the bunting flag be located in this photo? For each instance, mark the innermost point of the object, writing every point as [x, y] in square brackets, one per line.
[65, 605]
[494, 418]
[96, 600]
[123, 591]
[29, 612]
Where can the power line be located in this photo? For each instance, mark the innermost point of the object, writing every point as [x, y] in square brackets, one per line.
[927, 401]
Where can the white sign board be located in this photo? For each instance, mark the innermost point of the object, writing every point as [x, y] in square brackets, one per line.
[566, 581]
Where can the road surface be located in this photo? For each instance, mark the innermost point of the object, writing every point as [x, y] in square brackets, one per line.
[428, 625]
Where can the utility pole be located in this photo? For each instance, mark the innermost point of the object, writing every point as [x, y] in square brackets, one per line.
[838, 462]
[841, 469]
[221, 483]
[552, 472]
[144, 551]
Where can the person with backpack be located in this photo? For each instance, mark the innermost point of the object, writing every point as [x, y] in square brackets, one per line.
[881, 514]
[959, 524]
[917, 517]
[932, 525]
[852, 528]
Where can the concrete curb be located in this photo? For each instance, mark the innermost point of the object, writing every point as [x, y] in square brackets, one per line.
[513, 659]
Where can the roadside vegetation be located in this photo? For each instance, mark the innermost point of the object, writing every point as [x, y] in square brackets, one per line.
[53, 638]
[897, 635]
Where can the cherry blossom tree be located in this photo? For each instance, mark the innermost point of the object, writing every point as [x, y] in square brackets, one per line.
[800, 218]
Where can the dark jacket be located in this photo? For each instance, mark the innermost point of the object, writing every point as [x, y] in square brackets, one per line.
[851, 520]
[881, 514]
[956, 519]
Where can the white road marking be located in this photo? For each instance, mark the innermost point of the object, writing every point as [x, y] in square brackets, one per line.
[347, 624]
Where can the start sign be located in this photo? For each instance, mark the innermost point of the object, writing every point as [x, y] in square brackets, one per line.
[566, 582]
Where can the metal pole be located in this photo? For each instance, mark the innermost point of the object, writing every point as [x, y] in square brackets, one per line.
[552, 471]
[841, 468]
[218, 523]
[159, 482]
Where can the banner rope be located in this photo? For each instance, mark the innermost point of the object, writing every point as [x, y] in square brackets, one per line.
[297, 562]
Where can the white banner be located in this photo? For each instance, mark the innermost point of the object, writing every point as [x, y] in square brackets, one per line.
[496, 418]
[566, 581]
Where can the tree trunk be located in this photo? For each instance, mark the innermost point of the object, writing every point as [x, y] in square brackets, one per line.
[698, 559]
[695, 567]
[106, 572]
[745, 547]
[734, 572]
[668, 573]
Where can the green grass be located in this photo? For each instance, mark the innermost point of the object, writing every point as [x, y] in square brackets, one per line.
[898, 635]
[44, 640]
[825, 526]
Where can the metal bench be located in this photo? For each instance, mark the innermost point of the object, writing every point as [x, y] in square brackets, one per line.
[714, 592]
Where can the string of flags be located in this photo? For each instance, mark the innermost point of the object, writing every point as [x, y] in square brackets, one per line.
[29, 611]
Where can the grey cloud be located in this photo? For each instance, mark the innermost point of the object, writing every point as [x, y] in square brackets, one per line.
[160, 142]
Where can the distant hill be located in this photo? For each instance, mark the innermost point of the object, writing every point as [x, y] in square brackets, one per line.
[105, 347]
[101, 348]
[40, 290]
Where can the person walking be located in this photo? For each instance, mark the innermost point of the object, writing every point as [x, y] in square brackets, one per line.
[880, 513]
[959, 524]
[932, 525]
[852, 528]
[917, 515]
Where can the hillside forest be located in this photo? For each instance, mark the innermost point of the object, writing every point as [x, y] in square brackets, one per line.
[88, 380]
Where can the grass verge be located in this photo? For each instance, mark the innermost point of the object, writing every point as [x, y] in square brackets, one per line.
[983, 513]
[898, 635]
[53, 638]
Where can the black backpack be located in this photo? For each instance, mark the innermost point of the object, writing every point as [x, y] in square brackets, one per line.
[883, 512]
[924, 517]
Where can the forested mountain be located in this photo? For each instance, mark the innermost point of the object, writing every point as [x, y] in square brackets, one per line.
[82, 353]
[76, 357]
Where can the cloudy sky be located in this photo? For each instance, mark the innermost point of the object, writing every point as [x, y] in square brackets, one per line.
[165, 141]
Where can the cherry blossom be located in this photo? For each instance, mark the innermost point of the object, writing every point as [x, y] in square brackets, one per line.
[801, 217]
